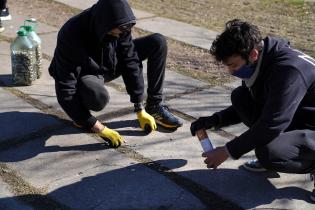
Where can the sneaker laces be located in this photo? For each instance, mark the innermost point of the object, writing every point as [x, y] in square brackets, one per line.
[165, 111]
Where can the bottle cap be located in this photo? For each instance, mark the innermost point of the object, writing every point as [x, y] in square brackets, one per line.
[22, 32]
[31, 22]
[28, 28]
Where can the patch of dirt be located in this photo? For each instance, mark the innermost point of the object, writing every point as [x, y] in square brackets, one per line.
[185, 59]
[193, 62]
[291, 19]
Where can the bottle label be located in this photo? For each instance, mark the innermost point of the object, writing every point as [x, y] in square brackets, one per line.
[206, 145]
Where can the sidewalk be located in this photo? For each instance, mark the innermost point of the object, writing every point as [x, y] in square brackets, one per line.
[46, 163]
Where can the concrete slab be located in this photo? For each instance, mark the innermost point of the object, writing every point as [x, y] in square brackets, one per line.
[180, 31]
[205, 103]
[142, 14]
[193, 35]
[88, 3]
[76, 170]
[12, 26]
[5, 63]
[274, 190]
[8, 201]
[174, 82]
[202, 103]
[49, 43]
[14, 115]
[78, 4]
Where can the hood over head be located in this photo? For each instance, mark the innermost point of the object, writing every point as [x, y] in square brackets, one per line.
[109, 14]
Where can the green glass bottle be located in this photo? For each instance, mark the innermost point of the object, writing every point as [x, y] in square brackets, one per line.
[23, 59]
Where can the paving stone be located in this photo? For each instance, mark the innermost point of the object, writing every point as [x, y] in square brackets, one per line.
[12, 26]
[180, 31]
[205, 103]
[14, 115]
[174, 82]
[274, 190]
[8, 201]
[76, 170]
[5, 63]
[88, 3]
[78, 4]
[202, 103]
[142, 14]
[49, 43]
[174, 29]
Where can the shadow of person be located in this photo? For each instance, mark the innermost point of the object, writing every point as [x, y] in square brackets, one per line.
[6, 80]
[130, 187]
[126, 127]
[25, 134]
[140, 187]
[134, 128]
[248, 189]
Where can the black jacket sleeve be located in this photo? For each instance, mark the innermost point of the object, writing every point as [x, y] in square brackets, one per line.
[228, 117]
[130, 68]
[286, 89]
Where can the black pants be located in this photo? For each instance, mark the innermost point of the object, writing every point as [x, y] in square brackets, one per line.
[291, 152]
[153, 48]
[3, 4]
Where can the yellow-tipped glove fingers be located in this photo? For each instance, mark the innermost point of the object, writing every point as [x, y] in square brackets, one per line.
[111, 136]
[146, 121]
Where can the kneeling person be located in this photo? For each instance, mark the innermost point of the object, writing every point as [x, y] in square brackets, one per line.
[95, 47]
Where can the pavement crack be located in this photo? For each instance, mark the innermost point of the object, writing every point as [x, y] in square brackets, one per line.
[26, 193]
[208, 198]
[6, 144]
[81, 172]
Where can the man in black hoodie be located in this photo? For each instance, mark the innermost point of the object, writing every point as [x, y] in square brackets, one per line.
[276, 101]
[95, 47]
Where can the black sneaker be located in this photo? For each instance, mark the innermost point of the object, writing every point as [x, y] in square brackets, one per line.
[254, 166]
[5, 15]
[312, 196]
[163, 116]
[1, 27]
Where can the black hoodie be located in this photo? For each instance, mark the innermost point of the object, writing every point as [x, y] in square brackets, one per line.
[81, 50]
[283, 94]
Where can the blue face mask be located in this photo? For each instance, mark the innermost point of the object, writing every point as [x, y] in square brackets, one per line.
[245, 71]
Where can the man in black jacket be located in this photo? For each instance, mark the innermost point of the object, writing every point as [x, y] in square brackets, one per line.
[276, 101]
[95, 47]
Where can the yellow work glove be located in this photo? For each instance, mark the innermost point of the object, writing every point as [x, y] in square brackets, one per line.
[146, 121]
[111, 136]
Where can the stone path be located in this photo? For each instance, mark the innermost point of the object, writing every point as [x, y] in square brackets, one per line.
[46, 163]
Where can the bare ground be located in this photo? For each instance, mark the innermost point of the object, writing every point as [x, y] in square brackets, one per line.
[292, 19]
[185, 59]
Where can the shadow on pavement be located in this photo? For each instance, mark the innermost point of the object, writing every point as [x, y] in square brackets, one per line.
[28, 132]
[6, 80]
[134, 124]
[138, 187]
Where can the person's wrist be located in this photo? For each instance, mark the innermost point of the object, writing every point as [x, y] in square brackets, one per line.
[228, 152]
[98, 127]
[138, 107]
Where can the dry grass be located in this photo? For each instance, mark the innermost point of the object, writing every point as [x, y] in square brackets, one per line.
[292, 19]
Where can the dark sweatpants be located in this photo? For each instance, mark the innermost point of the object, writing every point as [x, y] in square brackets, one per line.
[153, 47]
[3, 4]
[291, 152]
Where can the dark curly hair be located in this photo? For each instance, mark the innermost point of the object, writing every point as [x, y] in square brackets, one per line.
[238, 38]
